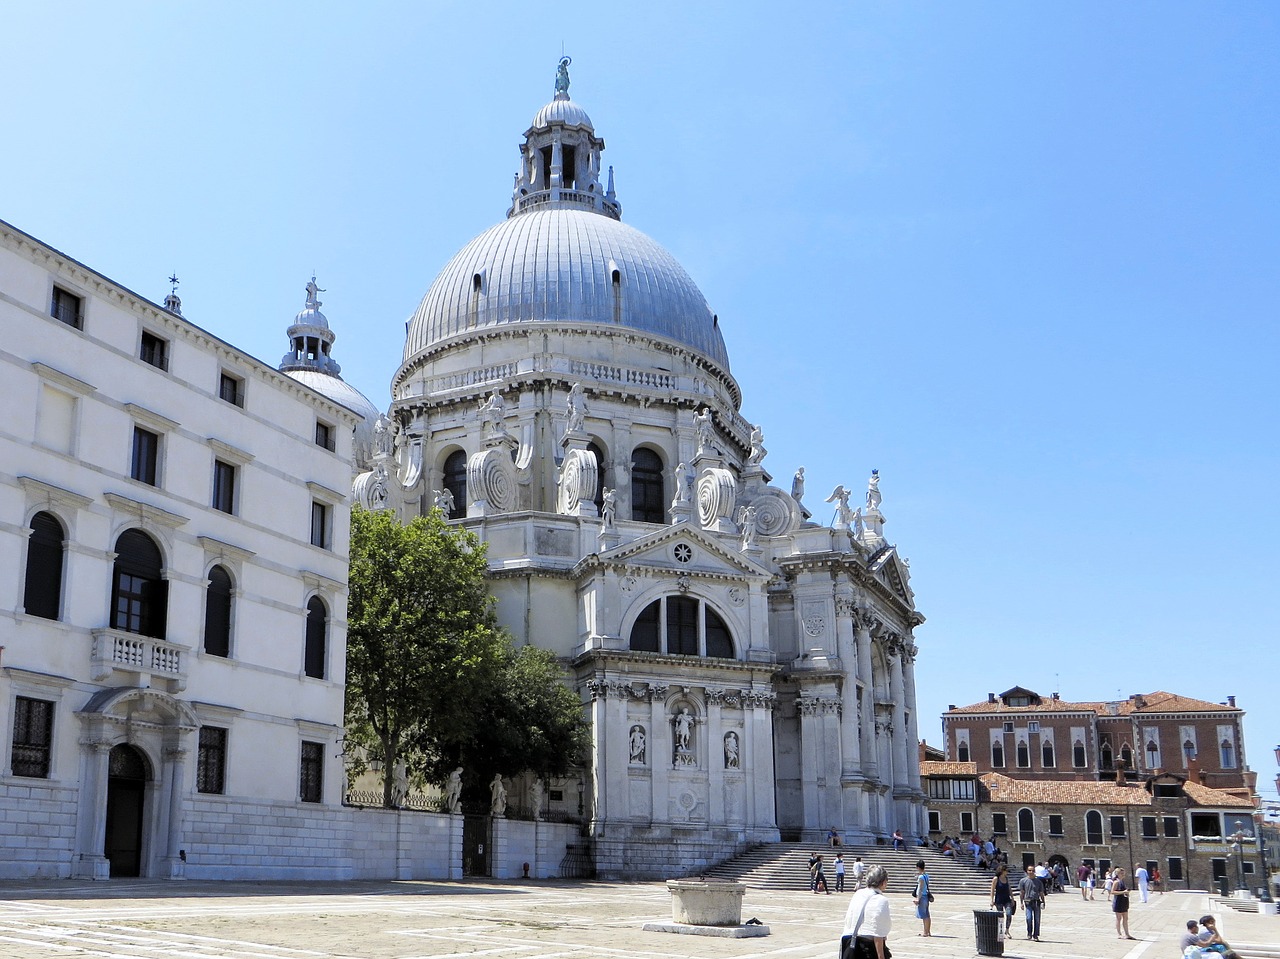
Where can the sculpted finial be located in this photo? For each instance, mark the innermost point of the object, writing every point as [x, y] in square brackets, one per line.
[562, 78]
[312, 290]
[873, 490]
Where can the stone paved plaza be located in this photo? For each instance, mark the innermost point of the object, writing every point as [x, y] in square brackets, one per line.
[541, 920]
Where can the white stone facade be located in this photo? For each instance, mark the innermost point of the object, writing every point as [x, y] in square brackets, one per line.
[159, 495]
[565, 393]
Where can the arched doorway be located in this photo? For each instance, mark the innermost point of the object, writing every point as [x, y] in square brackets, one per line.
[127, 776]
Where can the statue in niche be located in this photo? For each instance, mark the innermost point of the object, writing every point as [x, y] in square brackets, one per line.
[684, 738]
[609, 506]
[637, 744]
[379, 497]
[840, 496]
[453, 792]
[681, 476]
[442, 500]
[577, 410]
[746, 520]
[497, 796]
[704, 430]
[757, 446]
[797, 485]
[731, 750]
[873, 490]
[535, 799]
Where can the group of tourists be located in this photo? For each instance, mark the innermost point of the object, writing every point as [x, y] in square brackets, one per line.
[1201, 941]
[867, 922]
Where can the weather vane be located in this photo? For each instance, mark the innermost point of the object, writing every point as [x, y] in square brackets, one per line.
[173, 279]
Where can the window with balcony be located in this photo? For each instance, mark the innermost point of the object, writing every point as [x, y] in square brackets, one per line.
[139, 593]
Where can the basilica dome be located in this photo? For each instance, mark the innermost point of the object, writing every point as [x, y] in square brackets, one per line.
[563, 257]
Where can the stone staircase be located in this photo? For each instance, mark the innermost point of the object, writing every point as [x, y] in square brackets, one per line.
[785, 866]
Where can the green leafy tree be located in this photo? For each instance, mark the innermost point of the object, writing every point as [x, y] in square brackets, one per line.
[422, 641]
[431, 680]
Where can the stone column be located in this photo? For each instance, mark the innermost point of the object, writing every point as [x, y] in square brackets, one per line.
[866, 675]
[899, 721]
[91, 832]
[913, 721]
[761, 798]
[600, 810]
[659, 753]
[714, 746]
[847, 650]
[174, 774]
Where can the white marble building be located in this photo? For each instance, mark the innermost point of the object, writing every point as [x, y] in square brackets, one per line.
[565, 392]
[173, 569]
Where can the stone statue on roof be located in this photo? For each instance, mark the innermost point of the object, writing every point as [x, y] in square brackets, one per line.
[562, 77]
[312, 290]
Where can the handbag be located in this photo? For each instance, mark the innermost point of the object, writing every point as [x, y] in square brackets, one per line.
[851, 947]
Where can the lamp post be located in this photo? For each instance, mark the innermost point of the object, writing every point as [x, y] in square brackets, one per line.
[1237, 841]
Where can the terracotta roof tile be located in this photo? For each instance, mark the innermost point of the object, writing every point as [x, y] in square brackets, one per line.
[1004, 789]
[1157, 702]
[931, 768]
[1208, 796]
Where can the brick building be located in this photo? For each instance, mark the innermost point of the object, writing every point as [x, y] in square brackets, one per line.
[1023, 735]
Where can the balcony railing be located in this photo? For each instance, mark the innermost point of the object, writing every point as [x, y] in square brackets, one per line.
[150, 658]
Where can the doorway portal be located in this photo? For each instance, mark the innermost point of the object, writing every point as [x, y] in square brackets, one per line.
[127, 775]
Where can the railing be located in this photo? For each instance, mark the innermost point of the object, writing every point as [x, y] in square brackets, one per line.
[592, 201]
[455, 381]
[113, 649]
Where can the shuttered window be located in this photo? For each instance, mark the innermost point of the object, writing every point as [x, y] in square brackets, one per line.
[139, 596]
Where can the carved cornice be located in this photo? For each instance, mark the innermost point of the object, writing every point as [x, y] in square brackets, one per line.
[818, 706]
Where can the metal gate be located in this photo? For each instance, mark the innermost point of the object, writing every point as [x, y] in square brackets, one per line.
[477, 837]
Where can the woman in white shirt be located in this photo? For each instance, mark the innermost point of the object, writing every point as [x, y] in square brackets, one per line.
[866, 924]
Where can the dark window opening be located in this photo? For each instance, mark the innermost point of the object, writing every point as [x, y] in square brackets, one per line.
[146, 454]
[211, 760]
[155, 351]
[139, 594]
[1206, 824]
[32, 737]
[997, 755]
[1024, 756]
[1078, 756]
[1118, 830]
[1172, 827]
[316, 638]
[1093, 828]
[1126, 756]
[999, 823]
[1104, 756]
[68, 308]
[569, 164]
[1175, 867]
[230, 388]
[1026, 826]
[224, 486]
[325, 436]
[966, 822]
[477, 282]
[648, 496]
[217, 613]
[455, 481]
[1046, 755]
[962, 751]
[600, 476]
[1055, 825]
[545, 156]
[719, 641]
[682, 626]
[1148, 827]
[311, 773]
[42, 590]
[319, 525]
[646, 634]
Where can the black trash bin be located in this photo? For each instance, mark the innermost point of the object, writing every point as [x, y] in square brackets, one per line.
[1224, 887]
[986, 930]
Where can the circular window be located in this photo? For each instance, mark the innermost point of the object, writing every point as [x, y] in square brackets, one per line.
[683, 552]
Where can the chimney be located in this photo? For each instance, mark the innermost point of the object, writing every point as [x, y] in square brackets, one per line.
[991, 697]
[1054, 697]
[1120, 780]
[951, 708]
[1231, 701]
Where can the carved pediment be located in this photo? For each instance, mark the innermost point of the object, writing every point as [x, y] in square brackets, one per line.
[891, 570]
[683, 550]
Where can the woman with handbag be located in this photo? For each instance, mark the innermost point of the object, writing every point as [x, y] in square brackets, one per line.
[922, 897]
[1120, 904]
[1002, 897]
[866, 924]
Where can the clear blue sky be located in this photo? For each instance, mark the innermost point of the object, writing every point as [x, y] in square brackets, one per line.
[1023, 258]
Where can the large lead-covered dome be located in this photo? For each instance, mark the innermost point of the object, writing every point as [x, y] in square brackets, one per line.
[565, 266]
[563, 256]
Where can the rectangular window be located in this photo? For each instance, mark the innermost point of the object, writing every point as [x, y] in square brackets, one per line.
[146, 454]
[231, 389]
[1008, 726]
[999, 825]
[319, 525]
[962, 789]
[32, 737]
[311, 774]
[1033, 726]
[1149, 827]
[1055, 825]
[1171, 827]
[939, 789]
[1117, 827]
[224, 486]
[1206, 825]
[68, 308]
[966, 822]
[211, 763]
[1175, 867]
[997, 756]
[935, 821]
[324, 436]
[155, 351]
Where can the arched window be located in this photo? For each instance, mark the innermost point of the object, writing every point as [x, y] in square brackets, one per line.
[217, 613]
[997, 755]
[317, 630]
[1228, 754]
[1024, 754]
[1026, 826]
[1093, 828]
[1046, 754]
[962, 751]
[455, 481]
[139, 596]
[682, 626]
[1126, 756]
[1078, 757]
[648, 497]
[600, 475]
[42, 594]
[1104, 756]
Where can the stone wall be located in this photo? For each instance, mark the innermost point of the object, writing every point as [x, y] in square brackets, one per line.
[37, 829]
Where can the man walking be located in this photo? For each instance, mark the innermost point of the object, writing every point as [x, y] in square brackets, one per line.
[1031, 892]
[839, 872]
[859, 871]
[1144, 881]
